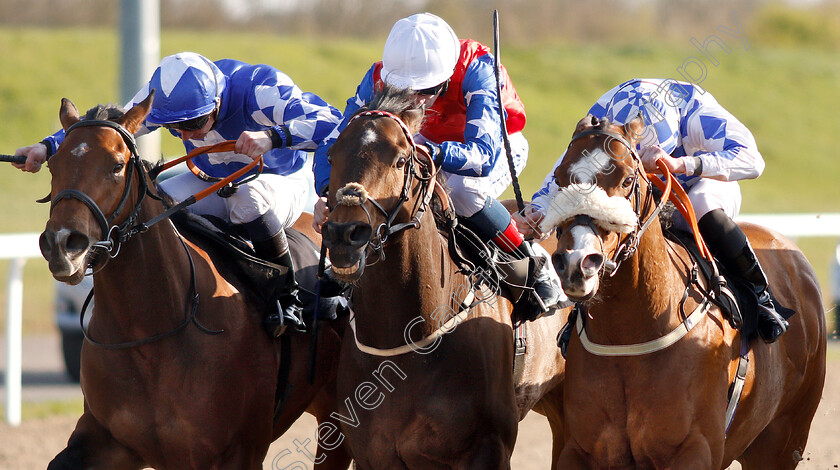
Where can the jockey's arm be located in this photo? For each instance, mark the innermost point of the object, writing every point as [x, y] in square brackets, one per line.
[483, 144]
[730, 154]
[320, 163]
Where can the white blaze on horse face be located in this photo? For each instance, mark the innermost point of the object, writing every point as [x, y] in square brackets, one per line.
[80, 150]
[368, 137]
[585, 243]
[590, 165]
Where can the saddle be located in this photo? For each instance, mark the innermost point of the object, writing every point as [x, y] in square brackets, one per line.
[747, 301]
[255, 277]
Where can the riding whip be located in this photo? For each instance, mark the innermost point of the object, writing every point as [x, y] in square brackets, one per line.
[313, 347]
[13, 158]
[514, 179]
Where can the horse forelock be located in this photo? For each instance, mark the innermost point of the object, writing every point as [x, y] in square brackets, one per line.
[401, 102]
[104, 112]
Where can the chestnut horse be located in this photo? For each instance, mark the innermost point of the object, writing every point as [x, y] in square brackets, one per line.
[647, 386]
[181, 374]
[426, 368]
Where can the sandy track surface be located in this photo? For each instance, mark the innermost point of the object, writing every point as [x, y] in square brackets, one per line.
[33, 444]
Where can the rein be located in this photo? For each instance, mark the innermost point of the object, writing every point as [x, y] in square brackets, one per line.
[114, 236]
[388, 228]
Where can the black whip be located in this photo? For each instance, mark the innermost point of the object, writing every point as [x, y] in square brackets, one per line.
[13, 158]
[514, 179]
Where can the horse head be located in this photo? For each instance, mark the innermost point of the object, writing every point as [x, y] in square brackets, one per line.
[377, 180]
[596, 207]
[91, 183]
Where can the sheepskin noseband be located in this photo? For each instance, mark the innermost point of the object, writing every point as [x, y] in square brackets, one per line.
[351, 194]
[613, 213]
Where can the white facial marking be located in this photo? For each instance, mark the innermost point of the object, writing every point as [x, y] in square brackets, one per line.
[593, 163]
[585, 243]
[80, 150]
[368, 137]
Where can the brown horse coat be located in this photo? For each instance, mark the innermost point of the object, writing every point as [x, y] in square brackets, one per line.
[452, 404]
[189, 400]
[666, 409]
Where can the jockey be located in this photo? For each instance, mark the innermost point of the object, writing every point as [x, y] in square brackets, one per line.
[462, 129]
[203, 103]
[710, 150]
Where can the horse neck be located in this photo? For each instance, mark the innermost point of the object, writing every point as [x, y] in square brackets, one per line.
[416, 278]
[151, 270]
[641, 301]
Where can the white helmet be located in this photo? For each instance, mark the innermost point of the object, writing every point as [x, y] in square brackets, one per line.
[421, 51]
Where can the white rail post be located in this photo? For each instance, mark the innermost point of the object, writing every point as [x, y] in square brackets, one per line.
[14, 333]
[15, 247]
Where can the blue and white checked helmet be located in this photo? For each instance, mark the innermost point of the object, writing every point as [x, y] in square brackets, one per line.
[643, 98]
[187, 85]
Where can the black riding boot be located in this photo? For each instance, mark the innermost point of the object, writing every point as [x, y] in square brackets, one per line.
[289, 308]
[493, 223]
[730, 246]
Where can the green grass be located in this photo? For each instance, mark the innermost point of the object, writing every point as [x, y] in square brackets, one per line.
[40, 410]
[787, 94]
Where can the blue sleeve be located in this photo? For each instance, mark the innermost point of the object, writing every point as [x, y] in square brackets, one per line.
[303, 120]
[483, 132]
[320, 165]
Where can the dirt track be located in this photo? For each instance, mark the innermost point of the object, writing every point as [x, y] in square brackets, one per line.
[35, 442]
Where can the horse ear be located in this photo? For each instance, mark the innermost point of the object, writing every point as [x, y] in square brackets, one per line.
[635, 129]
[587, 122]
[68, 114]
[134, 117]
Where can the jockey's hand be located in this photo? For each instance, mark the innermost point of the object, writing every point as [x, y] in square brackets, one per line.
[321, 213]
[650, 155]
[253, 143]
[528, 223]
[36, 155]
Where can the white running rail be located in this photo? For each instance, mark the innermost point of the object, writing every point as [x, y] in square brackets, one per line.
[19, 247]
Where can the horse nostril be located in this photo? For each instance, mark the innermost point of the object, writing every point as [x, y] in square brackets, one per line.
[76, 242]
[328, 232]
[591, 264]
[358, 235]
[559, 262]
[45, 243]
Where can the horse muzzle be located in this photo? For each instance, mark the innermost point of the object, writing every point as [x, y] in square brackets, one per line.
[579, 273]
[347, 242]
[66, 251]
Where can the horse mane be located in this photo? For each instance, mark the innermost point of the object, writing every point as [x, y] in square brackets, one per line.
[401, 102]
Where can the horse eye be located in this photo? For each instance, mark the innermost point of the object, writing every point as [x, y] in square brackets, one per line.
[118, 168]
[401, 161]
[627, 182]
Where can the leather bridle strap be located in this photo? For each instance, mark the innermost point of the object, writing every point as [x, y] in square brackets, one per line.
[387, 228]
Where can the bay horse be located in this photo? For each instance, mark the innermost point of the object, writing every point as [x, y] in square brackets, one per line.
[425, 371]
[177, 371]
[646, 385]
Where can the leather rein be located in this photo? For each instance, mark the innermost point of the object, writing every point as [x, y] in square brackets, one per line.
[115, 235]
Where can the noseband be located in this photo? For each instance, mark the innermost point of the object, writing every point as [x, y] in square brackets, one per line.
[353, 195]
[627, 247]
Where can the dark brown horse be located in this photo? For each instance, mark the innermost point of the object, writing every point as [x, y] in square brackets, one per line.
[425, 374]
[646, 387]
[183, 375]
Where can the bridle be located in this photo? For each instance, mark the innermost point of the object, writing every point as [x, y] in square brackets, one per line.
[115, 235]
[627, 247]
[427, 189]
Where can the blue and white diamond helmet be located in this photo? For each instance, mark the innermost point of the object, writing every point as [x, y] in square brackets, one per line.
[421, 51]
[188, 85]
